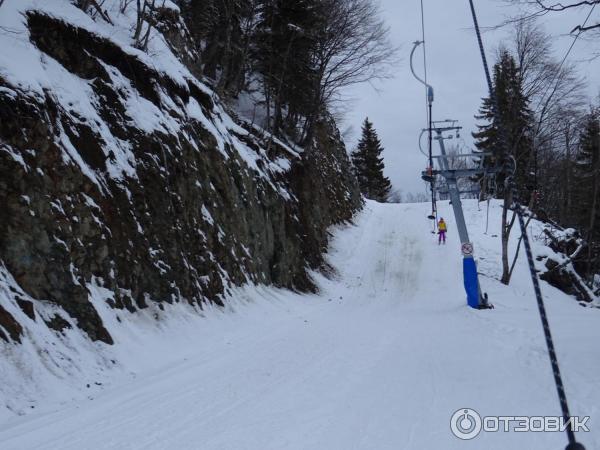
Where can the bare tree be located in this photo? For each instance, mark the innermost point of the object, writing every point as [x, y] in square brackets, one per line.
[123, 5]
[92, 7]
[532, 48]
[457, 161]
[143, 23]
[556, 150]
[550, 90]
[538, 8]
[547, 84]
[353, 47]
[554, 92]
[416, 197]
[248, 27]
[396, 196]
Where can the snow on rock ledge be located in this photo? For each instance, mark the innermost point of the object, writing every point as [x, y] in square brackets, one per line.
[124, 171]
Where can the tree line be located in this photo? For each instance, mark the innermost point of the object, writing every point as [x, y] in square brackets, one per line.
[298, 55]
[552, 148]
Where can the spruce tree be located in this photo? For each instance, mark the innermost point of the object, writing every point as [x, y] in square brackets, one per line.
[516, 119]
[513, 119]
[368, 165]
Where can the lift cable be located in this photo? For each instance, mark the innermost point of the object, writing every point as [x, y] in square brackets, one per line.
[428, 99]
[424, 59]
[428, 109]
[573, 444]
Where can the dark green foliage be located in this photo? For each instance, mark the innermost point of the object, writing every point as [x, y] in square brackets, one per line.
[220, 29]
[272, 38]
[284, 45]
[293, 56]
[368, 165]
[516, 123]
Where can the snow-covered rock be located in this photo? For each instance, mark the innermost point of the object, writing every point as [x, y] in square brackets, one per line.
[121, 169]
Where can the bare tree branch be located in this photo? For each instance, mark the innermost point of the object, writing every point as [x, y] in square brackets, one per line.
[144, 10]
[354, 47]
[85, 4]
[541, 7]
[582, 29]
[561, 7]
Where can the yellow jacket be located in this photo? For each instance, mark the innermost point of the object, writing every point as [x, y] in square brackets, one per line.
[442, 226]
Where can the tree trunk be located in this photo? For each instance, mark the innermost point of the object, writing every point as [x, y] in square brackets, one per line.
[239, 78]
[506, 228]
[569, 199]
[226, 56]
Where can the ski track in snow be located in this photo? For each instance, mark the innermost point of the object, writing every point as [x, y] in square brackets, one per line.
[379, 359]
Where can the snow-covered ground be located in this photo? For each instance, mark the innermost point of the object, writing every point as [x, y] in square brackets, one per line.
[379, 359]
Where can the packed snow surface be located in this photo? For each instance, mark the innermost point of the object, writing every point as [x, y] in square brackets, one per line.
[379, 359]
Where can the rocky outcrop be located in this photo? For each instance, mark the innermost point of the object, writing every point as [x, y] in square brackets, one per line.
[146, 186]
[563, 266]
[9, 327]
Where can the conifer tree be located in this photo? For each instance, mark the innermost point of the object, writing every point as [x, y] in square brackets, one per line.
[368, 165]
[284, 45]
[516, 119]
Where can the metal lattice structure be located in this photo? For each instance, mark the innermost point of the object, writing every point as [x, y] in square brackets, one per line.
[475, 297]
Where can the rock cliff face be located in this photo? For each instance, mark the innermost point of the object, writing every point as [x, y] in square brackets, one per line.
[120, 169]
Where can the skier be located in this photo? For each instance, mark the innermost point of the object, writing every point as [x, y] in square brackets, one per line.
[442, 231]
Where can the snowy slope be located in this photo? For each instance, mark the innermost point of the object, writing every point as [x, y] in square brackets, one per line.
[379, 359]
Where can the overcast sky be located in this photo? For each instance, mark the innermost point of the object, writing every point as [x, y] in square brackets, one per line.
[397, 108]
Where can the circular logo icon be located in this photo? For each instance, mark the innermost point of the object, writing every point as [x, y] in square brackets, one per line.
[465, 424]
[467, 249]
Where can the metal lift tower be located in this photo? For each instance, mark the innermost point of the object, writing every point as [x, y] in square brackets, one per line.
[475, 299]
